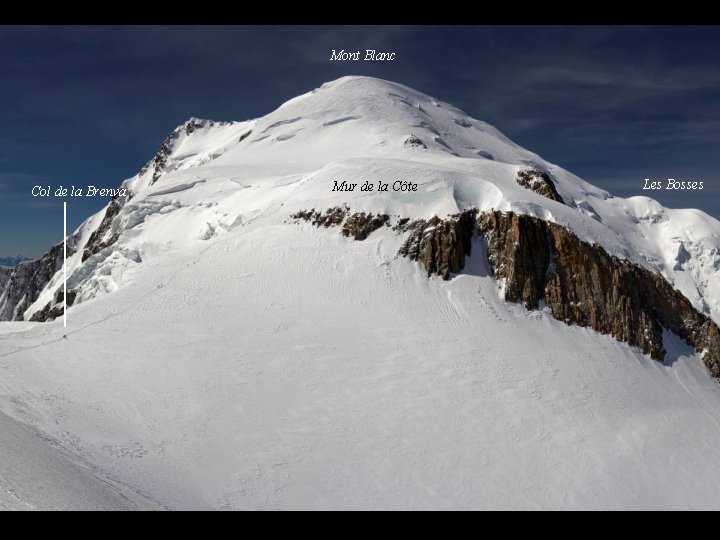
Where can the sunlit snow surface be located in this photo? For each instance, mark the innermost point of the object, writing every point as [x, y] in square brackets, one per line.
[222, 356]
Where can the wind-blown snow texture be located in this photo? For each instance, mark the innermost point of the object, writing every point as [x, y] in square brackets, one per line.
[244, 361]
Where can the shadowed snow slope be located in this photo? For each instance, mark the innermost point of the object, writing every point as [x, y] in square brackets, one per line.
[247, 361]
[34, 476]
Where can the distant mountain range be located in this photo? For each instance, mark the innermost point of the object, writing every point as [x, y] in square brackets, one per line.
[12, 261]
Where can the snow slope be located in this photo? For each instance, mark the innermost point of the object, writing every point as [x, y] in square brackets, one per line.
[246, 361]
[291, 368]
[35, 476]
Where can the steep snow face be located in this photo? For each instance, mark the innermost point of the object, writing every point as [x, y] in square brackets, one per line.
[210, 179]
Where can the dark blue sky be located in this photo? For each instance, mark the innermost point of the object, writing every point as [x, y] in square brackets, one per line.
[90, 105]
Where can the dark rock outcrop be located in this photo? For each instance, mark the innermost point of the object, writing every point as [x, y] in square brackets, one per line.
[440, 244]
[544, 263]
[194, 123]
[60, 297]
[414, 140]
[583, 284]
[539, 182]
[158, 164]
[55, 309]
[103, 236]
[360, 225]
[28, 279]
[159, 161]
[48, 313]
[330, 218]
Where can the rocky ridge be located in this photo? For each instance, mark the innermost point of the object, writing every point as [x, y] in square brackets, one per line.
[582, 284]
[539, 182]
[29, 279]
[104, 236]
[440, 244]
[5, 273]
[21, 286]
[55, 309]
[545, 265]
[160, 160]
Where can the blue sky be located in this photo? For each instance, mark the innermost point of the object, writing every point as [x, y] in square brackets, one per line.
[90, 105]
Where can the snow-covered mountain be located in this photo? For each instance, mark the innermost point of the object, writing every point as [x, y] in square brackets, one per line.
[245, 334]
[218, 176]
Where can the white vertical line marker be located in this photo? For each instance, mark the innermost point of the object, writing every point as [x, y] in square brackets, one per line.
[65, 265]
